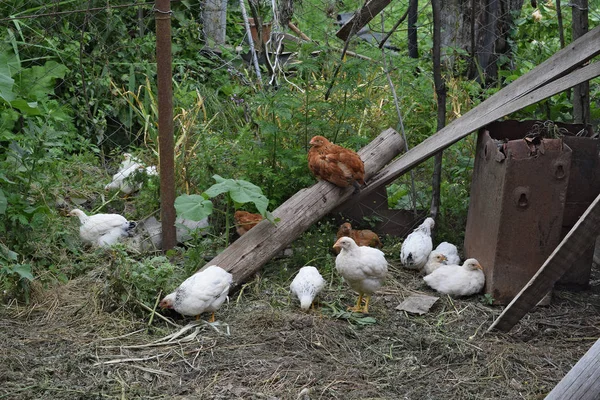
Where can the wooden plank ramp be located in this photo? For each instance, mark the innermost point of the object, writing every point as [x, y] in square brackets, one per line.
[547, 79]
[244, 257]
[579, 238]
[583, 380]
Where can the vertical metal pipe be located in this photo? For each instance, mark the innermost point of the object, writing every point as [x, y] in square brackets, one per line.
[165, 122]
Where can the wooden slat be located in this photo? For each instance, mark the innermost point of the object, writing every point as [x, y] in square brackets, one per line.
[362, 17]
[534, 86]
[583, 380]
[573, 244]
[244, 257]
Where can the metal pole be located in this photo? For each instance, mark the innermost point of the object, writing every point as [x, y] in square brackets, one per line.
[165, 122]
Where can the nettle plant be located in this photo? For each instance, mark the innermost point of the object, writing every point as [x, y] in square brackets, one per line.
[237, 193]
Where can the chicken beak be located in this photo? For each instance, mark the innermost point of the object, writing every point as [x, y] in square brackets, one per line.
[337, 245]
[479, 267]
[444, 258]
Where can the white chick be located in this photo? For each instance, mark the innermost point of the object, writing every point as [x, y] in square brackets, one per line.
[306, 285]
[435, 260]
[102, 229]
[457, 280]
[363, 268]
[205, 291]
[450, 251]
[417, 246]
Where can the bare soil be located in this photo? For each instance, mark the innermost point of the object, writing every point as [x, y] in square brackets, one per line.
[68, 346]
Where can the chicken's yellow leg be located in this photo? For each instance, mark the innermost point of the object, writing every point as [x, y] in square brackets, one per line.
[212, 317]
[358, 306]
[366, 307]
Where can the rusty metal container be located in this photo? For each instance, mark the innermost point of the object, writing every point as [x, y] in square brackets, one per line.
[518, 195]
[584, 187]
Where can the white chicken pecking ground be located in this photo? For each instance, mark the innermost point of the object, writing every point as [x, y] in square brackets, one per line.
[307, 284]
[102, 230]
[205, 291]
[122, 180]
[417, 246]
[450, 251]
[457, 280]
[435, 260]
[363, 268]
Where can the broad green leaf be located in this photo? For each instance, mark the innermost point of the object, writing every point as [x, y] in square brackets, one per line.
[27, 108]
[193, 207]
[7, 253]
[240, 191]
[8, 66]
[24, 271]
[37, 82]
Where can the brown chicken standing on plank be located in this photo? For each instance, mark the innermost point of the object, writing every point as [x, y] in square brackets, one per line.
[362, 237]
[335, 164]
[244, 221]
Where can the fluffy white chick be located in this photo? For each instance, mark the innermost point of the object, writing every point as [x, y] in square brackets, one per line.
[307, 284]
[457, 280]
[417, 246]
[205, 291]
[450, 251]
[363, 268]
[102, 229]
[435, 260]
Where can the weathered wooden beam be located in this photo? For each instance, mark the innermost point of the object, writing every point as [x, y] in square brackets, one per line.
[362, 17]
[583, 380]
[574, 243]
[244, 257]
[541, 82]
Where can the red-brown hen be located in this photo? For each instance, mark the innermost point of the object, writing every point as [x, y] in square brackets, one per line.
[244, 221]
[362, 237]
[335, 164]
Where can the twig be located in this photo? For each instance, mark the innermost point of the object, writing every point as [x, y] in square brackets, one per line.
[154, 309]
[122, 336]
[123, 360]
[401, 20]
[158, 314]
[154, 371]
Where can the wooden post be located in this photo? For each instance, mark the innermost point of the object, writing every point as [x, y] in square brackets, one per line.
[244, 257]
[165, 123]
[577, 241]
[583, 380]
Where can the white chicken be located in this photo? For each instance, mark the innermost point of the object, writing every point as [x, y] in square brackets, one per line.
[363, 268]
[457, 280]
[306, 285]
[435, 260]
[450, 251]
[417, 246]
[205, 291]
[123, 179]
[102, 229]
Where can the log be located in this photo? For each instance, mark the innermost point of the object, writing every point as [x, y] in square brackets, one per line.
[536, 85]
[362, 18]
[244, 257]
[568, 251]
[583, 380]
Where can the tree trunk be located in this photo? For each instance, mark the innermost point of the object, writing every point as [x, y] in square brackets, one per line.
[581, 93]
[413, 48]
[480, 28]
[244, 257]
[440, 90]
[214, 18]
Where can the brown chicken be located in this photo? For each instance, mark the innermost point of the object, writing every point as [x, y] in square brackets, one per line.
[244, 221]
[362, 237]
[335, 164]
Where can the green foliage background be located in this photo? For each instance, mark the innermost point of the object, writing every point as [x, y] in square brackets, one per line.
[77, 91]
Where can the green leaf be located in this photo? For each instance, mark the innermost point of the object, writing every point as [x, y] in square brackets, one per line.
[37, 82]
[240, 191]
[193, 207]
[27, 108]
[24, 271]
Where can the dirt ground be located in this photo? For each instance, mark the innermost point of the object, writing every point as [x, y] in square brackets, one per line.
[67, 346]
